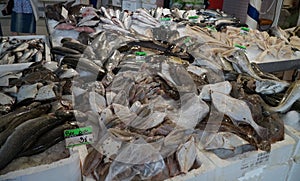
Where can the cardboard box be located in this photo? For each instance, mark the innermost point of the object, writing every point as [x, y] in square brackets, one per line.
[131, 5]
[241, 165]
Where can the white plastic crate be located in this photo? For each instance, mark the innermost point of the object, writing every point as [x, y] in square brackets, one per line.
[238, 166]
[29, 37]
[131, 5]
[207, 171]
[294, 173]
[67, 169]
[277, 172]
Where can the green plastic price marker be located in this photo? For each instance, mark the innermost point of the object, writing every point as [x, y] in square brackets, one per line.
[244, 30]
[240, 46]
[140, 53]
[78, 136]
[165, 19]
[193, 17]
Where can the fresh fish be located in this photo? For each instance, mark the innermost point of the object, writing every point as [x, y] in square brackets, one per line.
[47, 140]
[92, 160]
[186, 155]
[46, 93]
[238, 110]
[290, 97]
[222, 87]
[106, 20]
[240, 59]
[267, 86]
[24, 135]
[106, 14]
[28, 91]
[5, 99]
[21, 47]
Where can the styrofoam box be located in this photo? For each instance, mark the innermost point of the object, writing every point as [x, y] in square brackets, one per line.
[131, 5]
[207, 171]
[65, 169]
[44, 37]
[296, 136]
[238, 166]
[294, 173]
[277, 172]
[149, 6]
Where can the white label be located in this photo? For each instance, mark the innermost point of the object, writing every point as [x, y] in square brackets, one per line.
[79, 140]
[64, 12]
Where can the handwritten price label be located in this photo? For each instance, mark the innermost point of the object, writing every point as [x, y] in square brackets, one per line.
[79, 136]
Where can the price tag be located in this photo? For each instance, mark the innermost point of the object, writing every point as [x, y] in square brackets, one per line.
[79, 136]
[244, 31]
[165, 21]
[240, 47]
[140, 56]
[64, 12]
[193, 19]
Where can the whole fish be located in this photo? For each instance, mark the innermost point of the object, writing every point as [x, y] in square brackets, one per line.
[21, 118]
[186, 155]
[24, 135]
[290, 97]
[237, 110]
[47, 140]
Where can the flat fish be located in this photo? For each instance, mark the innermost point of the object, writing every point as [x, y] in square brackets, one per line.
[238, 110]
[186, 155]
[222, 87]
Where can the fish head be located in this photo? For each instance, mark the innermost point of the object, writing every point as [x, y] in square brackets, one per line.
[270, 86]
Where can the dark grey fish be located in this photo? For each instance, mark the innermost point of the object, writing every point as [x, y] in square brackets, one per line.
[21, 118]
[24, 136]
[47, 140]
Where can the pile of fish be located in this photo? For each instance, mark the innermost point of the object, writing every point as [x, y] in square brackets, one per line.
[219, 31]
[14, 50]
[84, 18]
[154, 98]
[35, 109]
[170, 101]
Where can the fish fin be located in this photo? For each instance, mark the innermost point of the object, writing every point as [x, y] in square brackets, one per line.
[262, 132]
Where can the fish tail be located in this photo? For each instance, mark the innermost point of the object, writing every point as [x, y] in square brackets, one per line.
[262, 132]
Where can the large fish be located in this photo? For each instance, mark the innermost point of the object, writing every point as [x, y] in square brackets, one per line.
[238, 111]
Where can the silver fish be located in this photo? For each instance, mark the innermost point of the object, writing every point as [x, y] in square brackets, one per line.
[238, 110]
[5, 99]
[291, 96]
[21, 47]
[106, 14]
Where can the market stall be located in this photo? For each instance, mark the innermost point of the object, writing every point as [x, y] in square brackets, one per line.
[160, 94]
